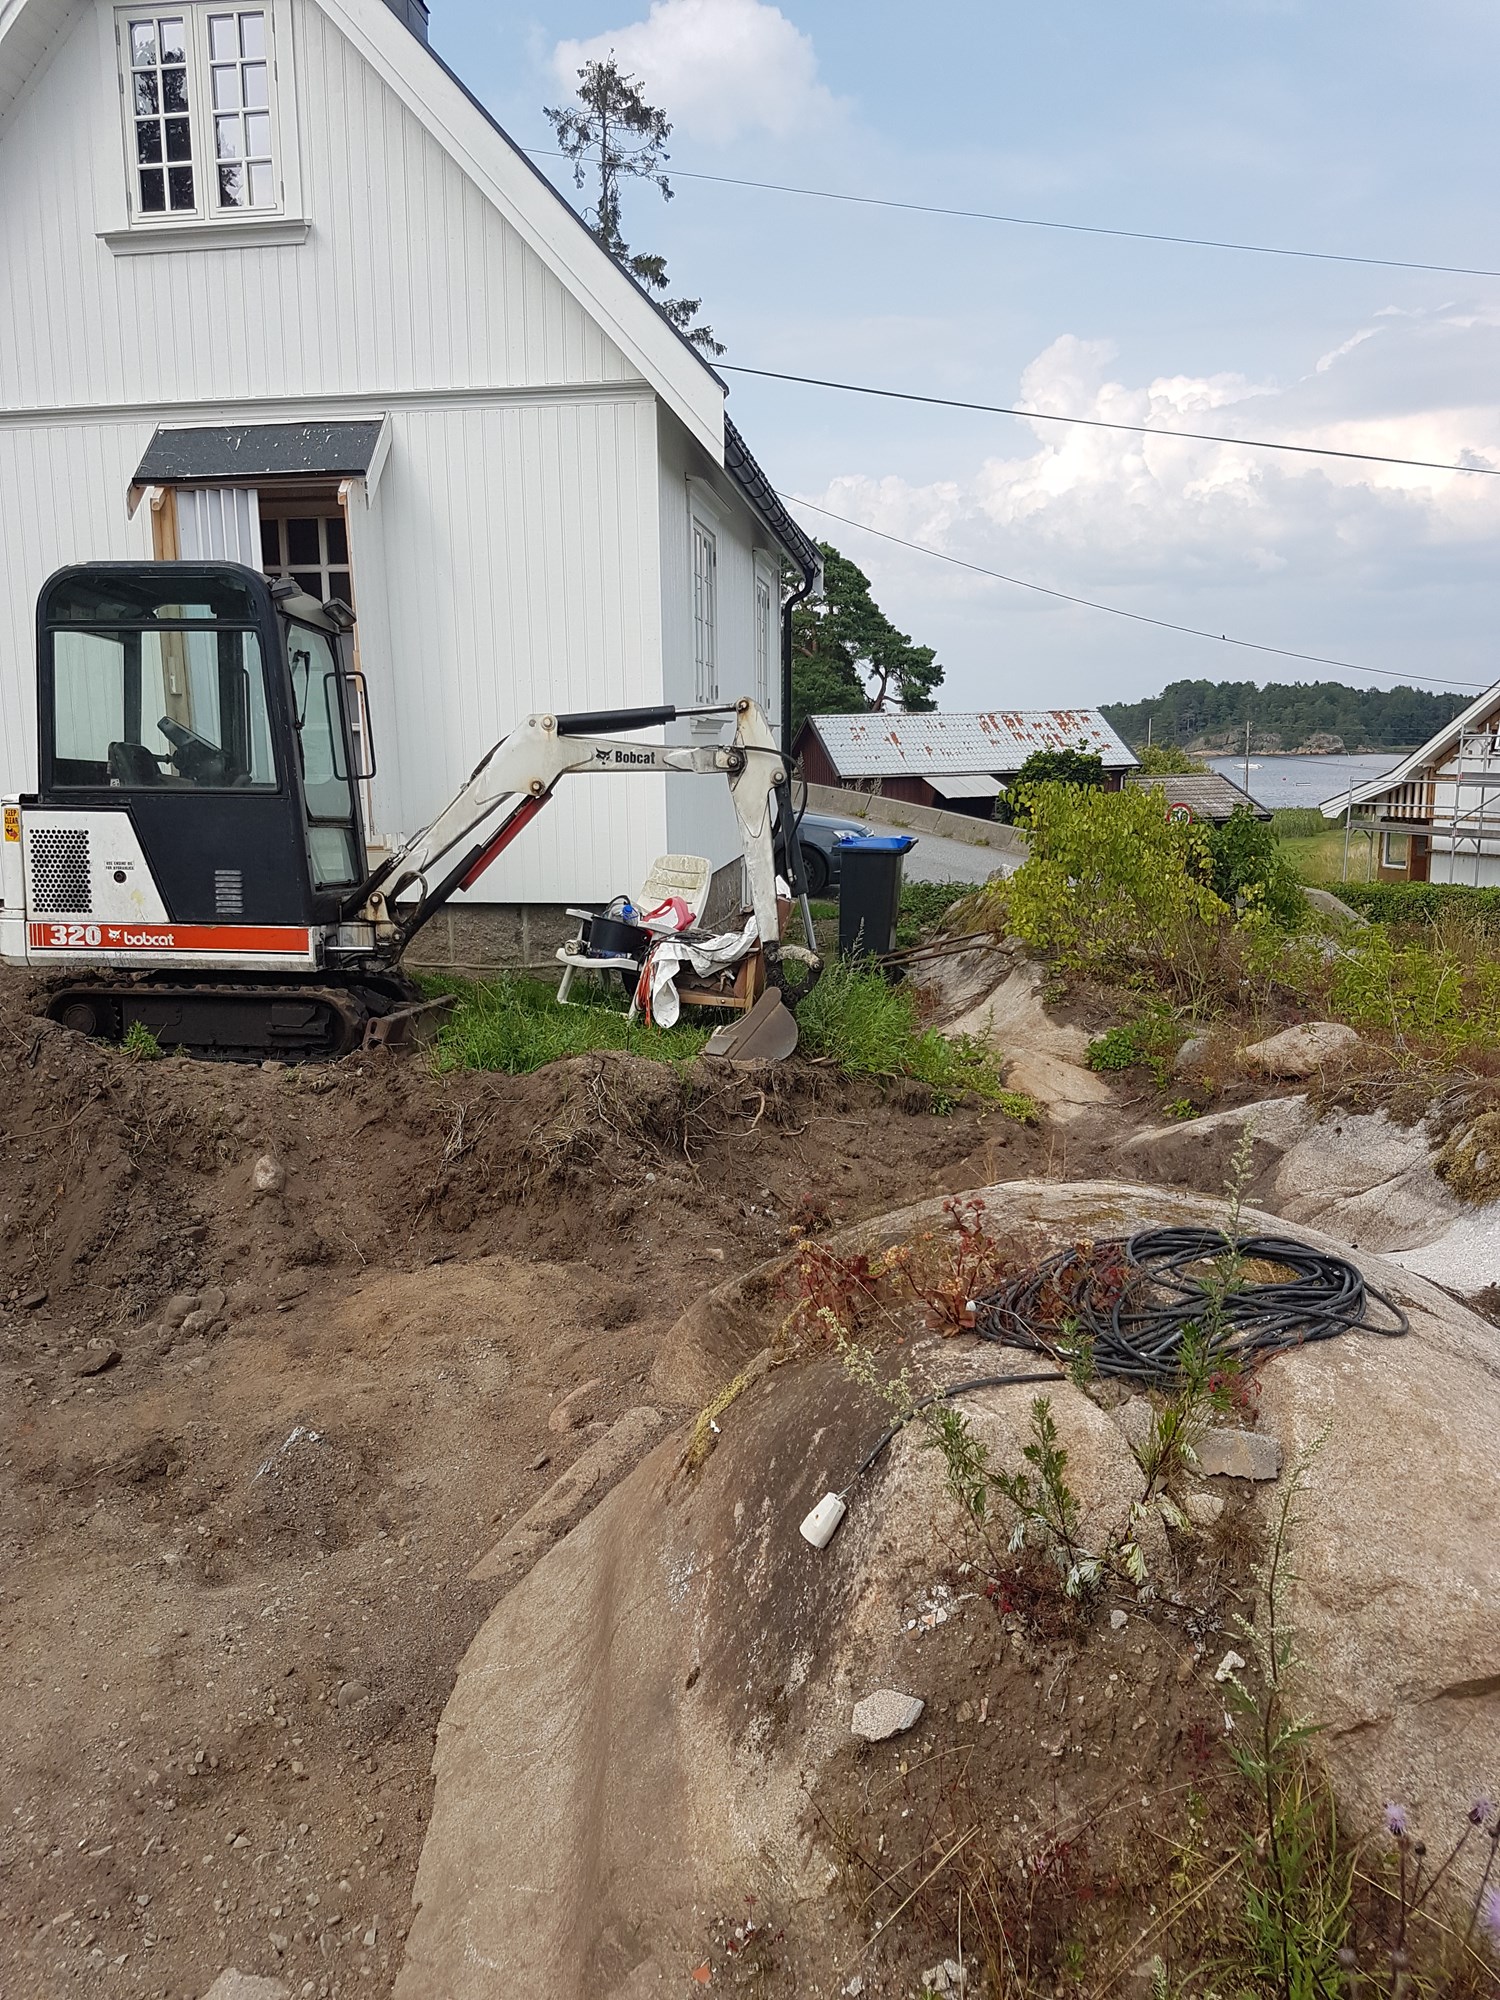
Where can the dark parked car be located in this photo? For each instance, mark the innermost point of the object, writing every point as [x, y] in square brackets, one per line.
[820, 837]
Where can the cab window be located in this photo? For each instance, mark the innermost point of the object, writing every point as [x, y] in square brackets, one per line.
[160, 710]
[327, 785]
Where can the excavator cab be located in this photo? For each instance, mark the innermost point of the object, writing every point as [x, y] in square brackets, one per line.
[202, 726]
[196, 835]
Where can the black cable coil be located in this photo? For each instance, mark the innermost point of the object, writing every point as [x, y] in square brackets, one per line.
[1126, 1302]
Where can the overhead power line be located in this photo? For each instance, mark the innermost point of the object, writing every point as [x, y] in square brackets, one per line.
[1136, 617]
[1072, 228]
[1103, 424]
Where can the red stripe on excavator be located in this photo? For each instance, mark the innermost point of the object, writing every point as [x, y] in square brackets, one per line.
[90, 936]
[520, 819]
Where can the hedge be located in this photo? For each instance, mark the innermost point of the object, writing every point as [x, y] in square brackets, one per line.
[1418, 902]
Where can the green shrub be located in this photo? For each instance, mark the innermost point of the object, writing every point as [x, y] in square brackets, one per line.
[1080, 767]
[1114, 888]
[1167, 760]
[1421, 902]
[1246, 867]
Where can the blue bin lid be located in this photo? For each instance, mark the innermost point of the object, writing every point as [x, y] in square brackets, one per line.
[878, 843]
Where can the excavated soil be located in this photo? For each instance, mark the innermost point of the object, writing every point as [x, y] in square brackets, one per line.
[282, 1353]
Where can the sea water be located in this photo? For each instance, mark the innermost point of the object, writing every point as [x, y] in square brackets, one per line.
[1303, 781]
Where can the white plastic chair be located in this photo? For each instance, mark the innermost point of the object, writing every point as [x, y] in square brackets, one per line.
[686, 876]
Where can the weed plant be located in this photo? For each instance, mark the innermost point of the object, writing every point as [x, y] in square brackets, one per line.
[139, 1044]
[1149, 1042]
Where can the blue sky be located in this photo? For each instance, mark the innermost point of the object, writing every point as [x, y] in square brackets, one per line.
[1345, 125]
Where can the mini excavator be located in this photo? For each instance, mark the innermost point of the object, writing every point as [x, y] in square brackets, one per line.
[194, 856]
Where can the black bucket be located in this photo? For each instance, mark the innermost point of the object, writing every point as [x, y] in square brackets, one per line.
[608, 937]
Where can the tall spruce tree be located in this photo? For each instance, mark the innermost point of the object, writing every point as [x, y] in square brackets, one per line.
[615, 135]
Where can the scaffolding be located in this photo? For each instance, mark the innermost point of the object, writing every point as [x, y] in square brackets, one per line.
[1475, 826]
[1465, 827]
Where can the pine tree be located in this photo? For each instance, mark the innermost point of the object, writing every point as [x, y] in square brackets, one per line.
[613, 132]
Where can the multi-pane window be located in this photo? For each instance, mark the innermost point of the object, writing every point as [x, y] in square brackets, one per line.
[198, 91]
[764, 624]
[162, 115]
[705, 614]
[241, 85]
[311, 548]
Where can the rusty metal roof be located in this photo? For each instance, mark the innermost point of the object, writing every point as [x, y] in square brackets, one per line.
[996, 744]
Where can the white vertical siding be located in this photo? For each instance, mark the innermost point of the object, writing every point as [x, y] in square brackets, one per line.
[700, 818]
[220, 524]
[62, 500]
[409, 278]
[509, 565]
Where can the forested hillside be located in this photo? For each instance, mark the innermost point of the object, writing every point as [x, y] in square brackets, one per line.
[1212, 714]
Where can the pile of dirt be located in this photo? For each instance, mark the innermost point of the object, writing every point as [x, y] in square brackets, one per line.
[282, 1351]
[126, 1181]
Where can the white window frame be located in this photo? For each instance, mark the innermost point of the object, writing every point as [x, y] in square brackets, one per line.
[127, 226]
[704, 579]
[1387, 858]
[767, 651]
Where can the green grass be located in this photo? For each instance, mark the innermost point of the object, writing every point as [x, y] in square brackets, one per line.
[869, 1027]
[854, 1016]
[1301, 823]
[1320, 859]
[515, 1024]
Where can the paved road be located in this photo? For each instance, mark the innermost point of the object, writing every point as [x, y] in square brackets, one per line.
[934, 859]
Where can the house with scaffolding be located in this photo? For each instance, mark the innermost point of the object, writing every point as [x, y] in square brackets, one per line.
[1435, 817]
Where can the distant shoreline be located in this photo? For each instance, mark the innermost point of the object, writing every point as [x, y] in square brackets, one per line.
[1373, 750]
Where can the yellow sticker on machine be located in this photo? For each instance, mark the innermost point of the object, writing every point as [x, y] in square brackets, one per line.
[12, 822]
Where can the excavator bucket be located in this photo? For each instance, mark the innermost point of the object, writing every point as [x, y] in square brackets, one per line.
[766, 1032]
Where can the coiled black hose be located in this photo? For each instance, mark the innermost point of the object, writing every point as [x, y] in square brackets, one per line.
[1128, 1301]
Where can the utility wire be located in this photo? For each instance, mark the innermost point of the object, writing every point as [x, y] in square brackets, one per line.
[1136, 617]
[1073, 228]
[1102, 424]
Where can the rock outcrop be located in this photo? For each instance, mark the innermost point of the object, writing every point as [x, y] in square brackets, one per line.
[635, 1730]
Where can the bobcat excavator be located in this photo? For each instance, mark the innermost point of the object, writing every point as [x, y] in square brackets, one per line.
[194, 856]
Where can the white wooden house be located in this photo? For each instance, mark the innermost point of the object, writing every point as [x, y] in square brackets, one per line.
[1435, 816]
[274, 286]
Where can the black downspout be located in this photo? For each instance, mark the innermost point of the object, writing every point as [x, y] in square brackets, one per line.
[795, 874]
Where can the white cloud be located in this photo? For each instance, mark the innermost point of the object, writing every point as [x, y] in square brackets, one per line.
[1090, 508]
[719, 68]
